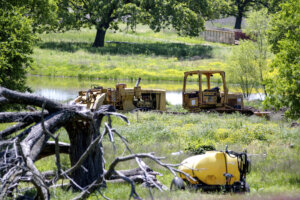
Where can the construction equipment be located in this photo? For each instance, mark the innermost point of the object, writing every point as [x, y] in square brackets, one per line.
[211, 99]
[123, 98]
[215, 171]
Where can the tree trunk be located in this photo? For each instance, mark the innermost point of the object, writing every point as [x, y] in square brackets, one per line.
[238, 20]
[100, 36]
[81, 135]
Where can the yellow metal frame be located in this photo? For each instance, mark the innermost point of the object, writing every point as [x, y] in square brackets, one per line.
[200, 94]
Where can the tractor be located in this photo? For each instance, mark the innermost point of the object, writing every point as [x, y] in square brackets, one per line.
[123, 98]
[206, 98]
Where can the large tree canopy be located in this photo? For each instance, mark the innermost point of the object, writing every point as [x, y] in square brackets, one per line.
[185, 16]
[43, 13]
[284, 37]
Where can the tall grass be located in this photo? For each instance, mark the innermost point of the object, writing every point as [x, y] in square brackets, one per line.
[153, 56]
[273, 147]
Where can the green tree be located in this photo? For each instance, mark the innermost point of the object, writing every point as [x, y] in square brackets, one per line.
[271, 5]
[19, 20]
[257, 26]
[16, 40]
[243, 67]
[239, 8]
[185, 16]
[284, 36]
[43, 13]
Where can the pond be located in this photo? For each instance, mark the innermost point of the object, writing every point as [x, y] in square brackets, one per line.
[64, 89]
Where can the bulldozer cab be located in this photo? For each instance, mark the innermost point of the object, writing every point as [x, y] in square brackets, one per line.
[203, 94]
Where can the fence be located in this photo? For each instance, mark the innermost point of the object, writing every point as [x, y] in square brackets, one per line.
[222, 36]
[228, 36]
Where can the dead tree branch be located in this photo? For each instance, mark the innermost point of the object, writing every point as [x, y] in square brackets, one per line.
[28, 117]
[49, 149]
[29, 99]
[10, 130]
[87, 172]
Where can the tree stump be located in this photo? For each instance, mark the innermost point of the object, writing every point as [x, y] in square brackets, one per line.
[81, 134]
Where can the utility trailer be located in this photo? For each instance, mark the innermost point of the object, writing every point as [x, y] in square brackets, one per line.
[215, 171]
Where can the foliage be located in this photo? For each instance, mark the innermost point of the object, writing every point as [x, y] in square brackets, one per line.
[243, 67]
[240, 8]
[186, 17]
[200, 147]
[43, 13]
[257, 26]
[273, 6]
[248, 62]
[16, 44]
[284, 35]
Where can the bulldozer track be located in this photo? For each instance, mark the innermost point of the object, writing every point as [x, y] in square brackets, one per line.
[245, 112]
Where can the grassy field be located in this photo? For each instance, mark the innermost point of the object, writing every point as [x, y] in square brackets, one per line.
[273, 146]
[153, 56]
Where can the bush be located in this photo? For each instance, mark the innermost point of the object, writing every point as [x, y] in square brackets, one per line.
[16, 41]
[200, 146]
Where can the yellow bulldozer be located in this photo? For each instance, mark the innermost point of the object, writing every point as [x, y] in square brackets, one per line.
[210, 99]
[123, 98]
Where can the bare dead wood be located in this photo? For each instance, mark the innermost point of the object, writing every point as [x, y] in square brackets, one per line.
[37, 177]
[28, 117]
[47, 175]
[29, 99]
[135, 179]
[86, 153]
[56, 146]
[87, 172]
[112, 166]
[9, 178]
[37, 139]
[138, 171]
[12, 129]
[3, 101]
[133, 193]
[49, 149]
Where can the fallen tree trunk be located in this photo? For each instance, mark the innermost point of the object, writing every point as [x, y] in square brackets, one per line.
[87, 173]
[49, 149]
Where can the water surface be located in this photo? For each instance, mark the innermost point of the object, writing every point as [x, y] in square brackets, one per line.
[66, 89]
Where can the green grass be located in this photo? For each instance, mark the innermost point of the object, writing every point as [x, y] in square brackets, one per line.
[273, 147]
[152, 56]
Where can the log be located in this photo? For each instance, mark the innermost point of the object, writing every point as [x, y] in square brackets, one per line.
[87, 172]
[29, 99]
[135, 172]
[37, 139]
[3, 101]
[49, 149]
[137, 179]
[26, 117]
[13, 129]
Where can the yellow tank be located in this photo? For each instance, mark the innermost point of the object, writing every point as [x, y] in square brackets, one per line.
[210, 168]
